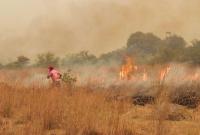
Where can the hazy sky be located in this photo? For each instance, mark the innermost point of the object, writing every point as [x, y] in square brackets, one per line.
[29, 27]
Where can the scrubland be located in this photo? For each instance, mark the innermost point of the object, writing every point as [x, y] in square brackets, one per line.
[85, 110]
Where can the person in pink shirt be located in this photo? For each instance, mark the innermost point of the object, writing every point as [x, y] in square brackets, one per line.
[55, 75]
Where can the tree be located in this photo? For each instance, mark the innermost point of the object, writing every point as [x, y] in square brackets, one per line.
[21, 62]
[115, 56]
[172, 49]
[174, 42]
[143, 46]
[81, 58]
[46, 59]
[192, 53]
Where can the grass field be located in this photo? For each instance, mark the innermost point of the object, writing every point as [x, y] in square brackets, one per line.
[83, 110]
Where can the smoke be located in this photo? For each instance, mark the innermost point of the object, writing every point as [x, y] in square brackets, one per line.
[67, 26]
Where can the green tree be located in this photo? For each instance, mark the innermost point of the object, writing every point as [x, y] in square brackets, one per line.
[21, 62]
[81, 58]
[192, 53]
[115, 56]
[172, 49]
[143, 46]
[46, 59]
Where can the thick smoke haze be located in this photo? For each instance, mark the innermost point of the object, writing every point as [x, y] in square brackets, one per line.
[29, 27]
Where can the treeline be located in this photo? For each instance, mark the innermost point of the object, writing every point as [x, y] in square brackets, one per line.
[147, 48]
[144, 48]
[47, 59]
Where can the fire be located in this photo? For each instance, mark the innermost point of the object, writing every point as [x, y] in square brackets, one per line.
[144, 77]
[163, 73]
[127, 69]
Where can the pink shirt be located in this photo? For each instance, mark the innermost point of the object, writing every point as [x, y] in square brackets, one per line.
[54, 74]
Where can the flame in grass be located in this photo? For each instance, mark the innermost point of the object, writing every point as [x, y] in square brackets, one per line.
[163, 73]
[127, 69]
[144, 76]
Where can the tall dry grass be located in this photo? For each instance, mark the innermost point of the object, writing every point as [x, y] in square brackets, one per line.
[41, 111]
[38, 110]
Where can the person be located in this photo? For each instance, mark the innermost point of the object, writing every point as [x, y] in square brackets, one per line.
[55, 75]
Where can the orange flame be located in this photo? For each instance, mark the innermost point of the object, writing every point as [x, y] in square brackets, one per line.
[163, 73]
[127, 69]
[145, 77]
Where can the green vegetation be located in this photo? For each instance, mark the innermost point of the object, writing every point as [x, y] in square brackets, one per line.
[145, 48]
[46, 59]
[21, 62]
[192, 53]
[69, 79]
[82, 58]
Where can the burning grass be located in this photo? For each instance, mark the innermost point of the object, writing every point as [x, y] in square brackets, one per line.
[93, 109]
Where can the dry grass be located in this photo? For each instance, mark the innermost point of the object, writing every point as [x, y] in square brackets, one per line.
[83, 111]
